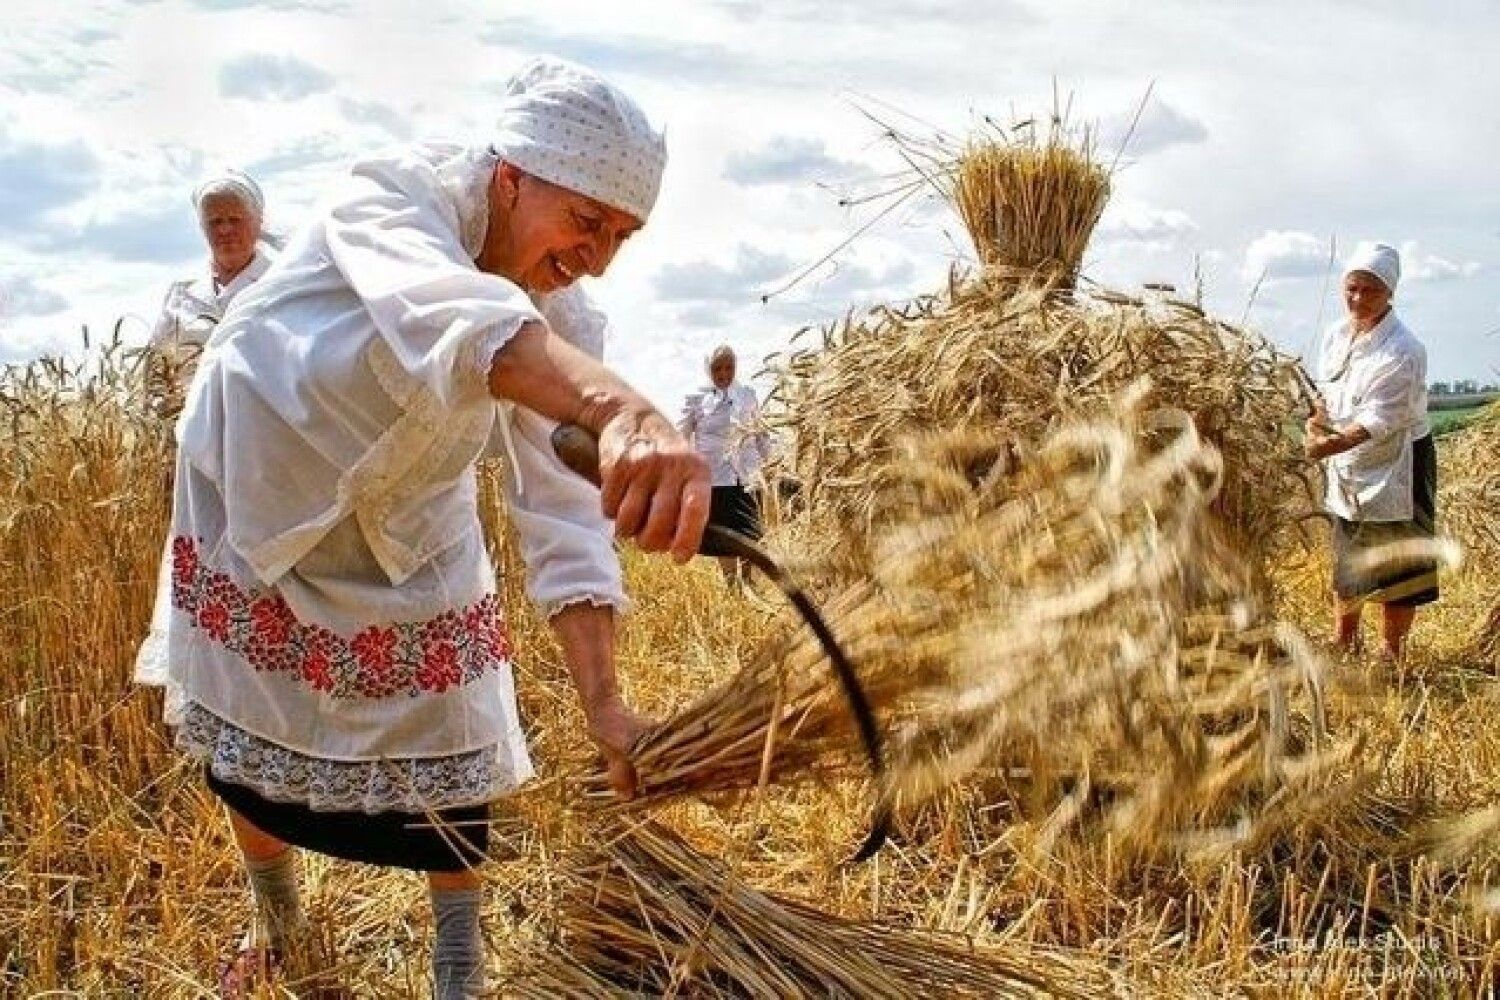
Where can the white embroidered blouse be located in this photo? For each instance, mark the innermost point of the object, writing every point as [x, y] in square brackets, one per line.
[1379, 381]
[725, 427]
[327, 625]
[191, 310]
[194, 306]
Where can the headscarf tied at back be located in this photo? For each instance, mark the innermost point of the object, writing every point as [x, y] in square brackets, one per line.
[567, 125]
[1379, 259]
[235, 182]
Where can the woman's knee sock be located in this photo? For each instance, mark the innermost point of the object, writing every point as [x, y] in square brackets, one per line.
[278, 903]
[458, 951]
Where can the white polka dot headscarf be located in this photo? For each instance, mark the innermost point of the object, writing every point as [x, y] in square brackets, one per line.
[232, 182]
[567, 125]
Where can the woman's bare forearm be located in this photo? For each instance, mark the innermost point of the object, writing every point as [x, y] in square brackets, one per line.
[652, 484]
[545, 373]
[586, 633]
[1337, 440]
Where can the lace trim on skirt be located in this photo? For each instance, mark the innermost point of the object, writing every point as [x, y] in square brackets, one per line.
[392, 785]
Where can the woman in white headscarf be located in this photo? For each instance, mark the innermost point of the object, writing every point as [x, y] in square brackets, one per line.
[231, 213]
[330, 631]
[1372, 434]
[723, 422]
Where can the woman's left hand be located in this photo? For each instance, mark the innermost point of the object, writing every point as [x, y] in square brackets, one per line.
[616, 729]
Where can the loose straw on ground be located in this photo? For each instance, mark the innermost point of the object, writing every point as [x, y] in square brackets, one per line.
[646, 915]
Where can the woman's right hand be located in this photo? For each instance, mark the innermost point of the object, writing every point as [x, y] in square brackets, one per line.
[655, 486]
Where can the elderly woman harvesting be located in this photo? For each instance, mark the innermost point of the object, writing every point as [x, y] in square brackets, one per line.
[231, 213]
[723, 421]
[1373, 435]
[329, 631]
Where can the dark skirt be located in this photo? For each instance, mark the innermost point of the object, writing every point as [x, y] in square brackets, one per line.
[1406, 582]
[733, 507]
[449, 840]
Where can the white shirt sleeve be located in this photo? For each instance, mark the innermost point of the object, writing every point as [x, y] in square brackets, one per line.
[687, 424]
[164, 331]
[565, 539]
[395, 239]
[1387, 405]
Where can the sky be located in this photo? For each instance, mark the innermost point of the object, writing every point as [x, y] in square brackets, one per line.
[1272, 135]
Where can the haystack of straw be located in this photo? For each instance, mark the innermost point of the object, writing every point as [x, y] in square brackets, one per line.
[1040, 520]
[1469, 505]
[1067, 625]
[647, 915]
[1013, 350]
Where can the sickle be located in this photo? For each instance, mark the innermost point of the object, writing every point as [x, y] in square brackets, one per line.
[579, 451]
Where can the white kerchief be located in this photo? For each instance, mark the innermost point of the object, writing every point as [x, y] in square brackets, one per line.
[232, 182]
[567, 125]
[1379, 259]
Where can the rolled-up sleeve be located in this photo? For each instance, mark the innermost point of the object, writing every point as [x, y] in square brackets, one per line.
[1389, 403]
[164, 330]
[395, 239]
[687, 422]
[565, 540]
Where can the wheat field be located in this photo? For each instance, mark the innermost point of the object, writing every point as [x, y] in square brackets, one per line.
[118, 877]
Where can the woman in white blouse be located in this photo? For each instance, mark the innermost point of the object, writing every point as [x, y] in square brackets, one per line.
[723, 421]
[1372, 434]
[231, 213]
[329, 628]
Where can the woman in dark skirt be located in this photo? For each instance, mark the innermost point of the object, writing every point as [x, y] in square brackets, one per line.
[723, 422]
[1371, 431]
[1369, 566]
[328, 625]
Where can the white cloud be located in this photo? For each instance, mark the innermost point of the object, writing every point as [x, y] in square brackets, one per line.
[865, 11]
[23, 296]
[308, 150]
[325, 6]
[739, 282]
[379, 116]
[38, 177]
[1280, 254]
[262, 76]
[155, 232]
[1159, 126]
[787, 159]
[682, 60]
[1128, 221]
[112, 109]
[1418, 266]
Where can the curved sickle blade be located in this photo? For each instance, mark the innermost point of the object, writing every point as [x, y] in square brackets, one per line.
[579, 451]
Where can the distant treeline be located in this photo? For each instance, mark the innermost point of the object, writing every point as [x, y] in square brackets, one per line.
[1459, 400]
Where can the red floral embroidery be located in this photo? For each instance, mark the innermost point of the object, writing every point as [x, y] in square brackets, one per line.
[381, 661]
[439, 670]
[213, 618]
[317, 670]
[375, 649]
[272, 620]
[184, 561]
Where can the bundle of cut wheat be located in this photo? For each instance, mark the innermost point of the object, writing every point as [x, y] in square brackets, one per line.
[1469, 505]
[646, 915]
[1029, 204]
[1013, 350]
[1067, 620]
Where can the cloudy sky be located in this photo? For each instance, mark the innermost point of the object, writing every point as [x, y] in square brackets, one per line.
[1272, 129]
